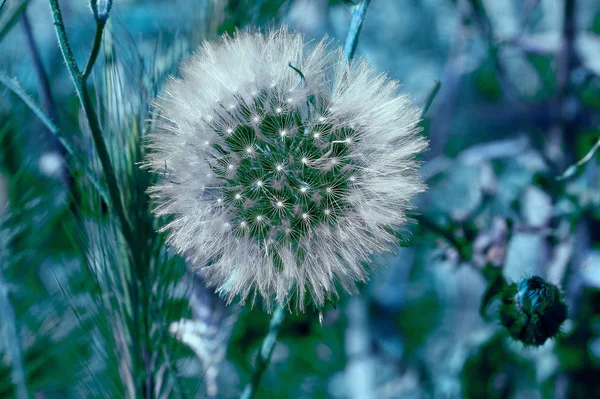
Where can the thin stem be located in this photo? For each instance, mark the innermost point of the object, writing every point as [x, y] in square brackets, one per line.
[430, 97]
[45, 91]
[94, 125]
[264, 356]
[11, 338]
[358, 16]
[573, 168]
[13, 86]
[95, 49]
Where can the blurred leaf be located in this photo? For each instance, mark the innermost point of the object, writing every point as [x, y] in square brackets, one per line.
[494, 372]
[10, 16]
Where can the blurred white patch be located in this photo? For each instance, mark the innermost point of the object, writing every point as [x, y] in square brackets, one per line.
[50, 164]
[307, 15]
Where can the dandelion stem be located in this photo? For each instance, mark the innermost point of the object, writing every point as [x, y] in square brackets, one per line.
[264, 356]
[13, 86]
[358, 16]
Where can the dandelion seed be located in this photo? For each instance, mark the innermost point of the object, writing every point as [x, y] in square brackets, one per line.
[294, 250]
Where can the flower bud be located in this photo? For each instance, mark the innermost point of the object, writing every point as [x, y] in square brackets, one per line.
[101, 9]
[532, 310]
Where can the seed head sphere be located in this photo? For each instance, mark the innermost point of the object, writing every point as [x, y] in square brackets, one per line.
[283, 169]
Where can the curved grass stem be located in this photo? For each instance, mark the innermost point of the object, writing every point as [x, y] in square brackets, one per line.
[95, 50]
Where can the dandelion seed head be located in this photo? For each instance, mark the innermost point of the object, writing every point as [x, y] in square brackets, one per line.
[299, 235]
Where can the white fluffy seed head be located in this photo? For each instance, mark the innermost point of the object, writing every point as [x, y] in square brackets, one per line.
[350, 170]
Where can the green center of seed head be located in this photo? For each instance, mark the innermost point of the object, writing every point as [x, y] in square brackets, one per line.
[281, 176]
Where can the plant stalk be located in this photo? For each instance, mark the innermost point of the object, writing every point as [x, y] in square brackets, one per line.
[79, 81]
[264, 356]
[358, 16]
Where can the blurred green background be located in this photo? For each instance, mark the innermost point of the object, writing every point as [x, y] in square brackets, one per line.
[519, 103]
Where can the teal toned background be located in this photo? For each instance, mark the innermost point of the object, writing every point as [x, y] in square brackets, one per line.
[519, 103]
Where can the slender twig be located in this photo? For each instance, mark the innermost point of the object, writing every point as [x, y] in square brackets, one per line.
[14, 86]
[264, 356]
[2, 5]
[11, 339]
[358, 16]
[573, 168]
